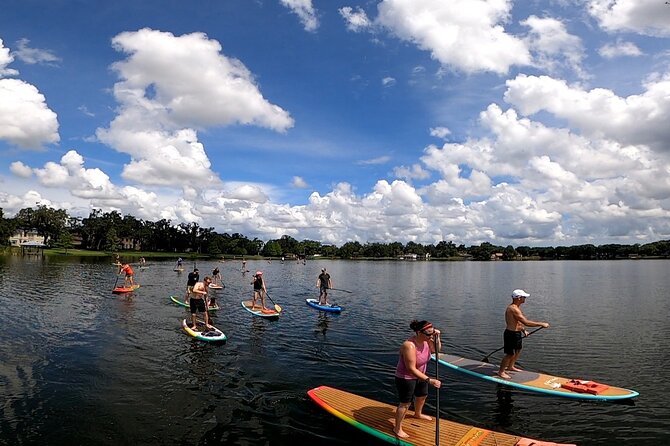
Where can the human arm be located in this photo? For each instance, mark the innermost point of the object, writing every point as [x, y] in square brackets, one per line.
[408, 355]
[520, 318]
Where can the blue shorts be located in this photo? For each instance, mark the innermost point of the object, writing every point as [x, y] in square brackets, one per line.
[410, 388]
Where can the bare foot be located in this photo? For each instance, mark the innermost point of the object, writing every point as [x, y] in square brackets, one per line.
[423, 417]
[194, 328]
[401, 433]
[504, 375]
[515, 369]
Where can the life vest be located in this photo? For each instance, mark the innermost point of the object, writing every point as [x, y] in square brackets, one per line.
[582, 386]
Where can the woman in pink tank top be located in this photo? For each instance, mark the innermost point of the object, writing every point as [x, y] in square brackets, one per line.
[411, 379]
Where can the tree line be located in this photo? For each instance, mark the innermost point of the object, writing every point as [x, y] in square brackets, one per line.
[110, 231]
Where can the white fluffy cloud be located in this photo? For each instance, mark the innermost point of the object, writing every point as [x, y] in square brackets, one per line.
[170, 86]
[553, 45]
[25, 119]
[618, 49]
[467, 35]
[305, 11]
[356, 20]
[648, 17]
[636, 119]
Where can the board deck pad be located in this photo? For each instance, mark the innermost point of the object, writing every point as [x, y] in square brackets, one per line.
[212, 335]
[528, 380]
[378, 418]
[270, 312]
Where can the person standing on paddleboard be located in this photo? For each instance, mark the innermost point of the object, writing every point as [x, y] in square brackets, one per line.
[323, 282]
[216, 276]
[193, 278]
[259, 290]
[515, 322]
[198, 302]
[128, 280]
[411, 379]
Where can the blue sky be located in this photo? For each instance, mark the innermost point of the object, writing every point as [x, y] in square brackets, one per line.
[523, 123]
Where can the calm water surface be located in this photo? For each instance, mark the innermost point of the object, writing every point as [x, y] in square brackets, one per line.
[80, 365]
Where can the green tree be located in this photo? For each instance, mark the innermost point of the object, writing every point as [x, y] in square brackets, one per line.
[272, 249]
[6, 229]
[64, 240]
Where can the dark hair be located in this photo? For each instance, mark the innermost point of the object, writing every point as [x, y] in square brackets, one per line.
[417, 325]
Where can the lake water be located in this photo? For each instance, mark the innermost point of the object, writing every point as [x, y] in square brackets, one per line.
[80, 365]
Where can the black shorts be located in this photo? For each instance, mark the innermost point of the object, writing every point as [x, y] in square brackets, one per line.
[512, 341]
[410, 388]
[197, 305]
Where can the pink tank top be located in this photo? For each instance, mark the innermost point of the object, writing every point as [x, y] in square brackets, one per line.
[422, 358]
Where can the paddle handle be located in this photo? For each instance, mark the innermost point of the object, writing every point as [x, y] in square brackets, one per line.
[437, 402]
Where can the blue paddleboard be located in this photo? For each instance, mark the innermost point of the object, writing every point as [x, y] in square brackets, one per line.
[314, 303]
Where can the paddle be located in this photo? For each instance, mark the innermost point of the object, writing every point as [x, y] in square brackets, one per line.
[437, 403]
[337, 289]
[116, 282]
[486, 358]
[277, 307]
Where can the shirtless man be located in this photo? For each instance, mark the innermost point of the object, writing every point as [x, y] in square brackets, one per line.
[198, 302]
[514, 331]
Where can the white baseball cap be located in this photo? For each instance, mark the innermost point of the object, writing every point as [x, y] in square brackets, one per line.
[519, 293]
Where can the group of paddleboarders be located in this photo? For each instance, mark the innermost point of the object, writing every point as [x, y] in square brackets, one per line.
[411, 379]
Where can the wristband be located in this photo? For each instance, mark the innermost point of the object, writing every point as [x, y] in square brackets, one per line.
[427, 379]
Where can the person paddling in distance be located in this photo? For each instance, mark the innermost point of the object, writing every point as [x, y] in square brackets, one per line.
[128, 280]
[193, 278]
[515, 321]
[216, 277]
[259, 290]
[323, 282]
[198, 302]
[411, 379]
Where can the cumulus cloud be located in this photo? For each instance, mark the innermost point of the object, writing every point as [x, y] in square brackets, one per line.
[356, 20]
[33, 56]
[170, 86]
[648, 17]
[305, 11]
[25, 119]
[618, 49]
[413, 172]
[467, 35]
[5, 59]
[553, 46]
[636, 119]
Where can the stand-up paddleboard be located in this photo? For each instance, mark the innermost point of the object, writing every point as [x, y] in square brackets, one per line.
[178, 270]
[213, 286]
[378, 419]
[257, 311]
[123, 289]
[538, 382]
[211, 335]
[314, 303]
[182, 304]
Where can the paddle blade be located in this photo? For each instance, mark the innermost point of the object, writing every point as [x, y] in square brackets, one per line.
[278, 308]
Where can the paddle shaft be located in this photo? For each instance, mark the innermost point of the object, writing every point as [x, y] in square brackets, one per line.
[116, 282]
[486, 358]
[337, 289]
[277, 307]
[437, 403]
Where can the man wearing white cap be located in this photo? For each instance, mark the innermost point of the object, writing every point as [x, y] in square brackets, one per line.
[515, 322]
